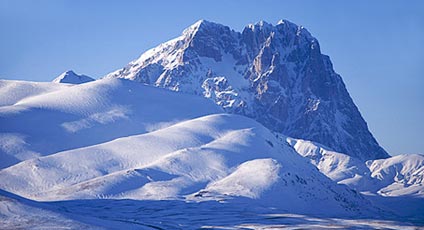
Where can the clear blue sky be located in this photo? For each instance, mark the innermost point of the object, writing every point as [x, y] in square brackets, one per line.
[377, 46]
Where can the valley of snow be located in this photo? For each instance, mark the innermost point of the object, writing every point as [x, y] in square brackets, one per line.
[20, 213]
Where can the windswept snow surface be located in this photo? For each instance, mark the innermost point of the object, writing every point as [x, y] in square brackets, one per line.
[217, 157]
[55, 117]
[13, 91]
[19, 213]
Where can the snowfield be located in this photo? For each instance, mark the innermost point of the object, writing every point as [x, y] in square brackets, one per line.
[19, 213]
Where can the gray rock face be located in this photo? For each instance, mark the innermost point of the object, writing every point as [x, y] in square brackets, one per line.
[274, 74]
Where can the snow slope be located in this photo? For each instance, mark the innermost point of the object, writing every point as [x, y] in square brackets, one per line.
[19, 213]
[13, 91]
[401, 175]
[217, 157]
[394, 184]
[56, 117]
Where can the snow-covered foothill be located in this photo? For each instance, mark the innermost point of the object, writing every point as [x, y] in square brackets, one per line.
[49, 121]
[12, 91]
[401, 175]
[217, 157]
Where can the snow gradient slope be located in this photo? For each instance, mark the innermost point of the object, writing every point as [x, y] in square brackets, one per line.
[55, 117]
[217, 157]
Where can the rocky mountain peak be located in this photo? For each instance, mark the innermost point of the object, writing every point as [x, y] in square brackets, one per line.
[275, 74]
[71, 77]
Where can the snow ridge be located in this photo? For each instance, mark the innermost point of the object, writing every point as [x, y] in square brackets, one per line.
[401, 175]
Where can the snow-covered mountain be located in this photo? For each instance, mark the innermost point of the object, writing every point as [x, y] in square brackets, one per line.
[114, 153]
[71, 77]
[395, 183]
[401, 175]
[273, 74]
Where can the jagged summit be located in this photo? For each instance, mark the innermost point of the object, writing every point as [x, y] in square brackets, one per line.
[72, 78]
[202, 24]
[261, 24]
[275, 74]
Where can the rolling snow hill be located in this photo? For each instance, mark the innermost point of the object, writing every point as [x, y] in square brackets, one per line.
[217, 157]
[54, 117]
[12, 92]
[114, 138]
